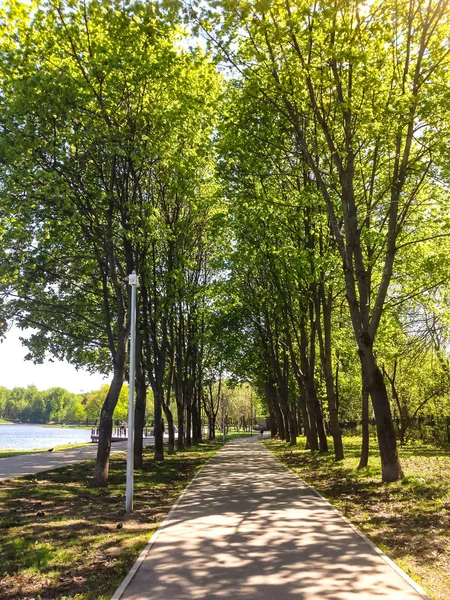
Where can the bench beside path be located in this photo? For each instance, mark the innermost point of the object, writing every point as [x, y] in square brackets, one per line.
[249, 528]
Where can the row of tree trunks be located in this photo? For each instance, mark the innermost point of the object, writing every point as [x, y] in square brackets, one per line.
[349, 219]
[188, 380]
[282, 362]
[284, 359]
[307, 362]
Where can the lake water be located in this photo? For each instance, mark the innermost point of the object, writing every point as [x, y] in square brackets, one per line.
[34, 437]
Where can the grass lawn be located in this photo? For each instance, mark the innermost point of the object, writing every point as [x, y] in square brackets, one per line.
[408, 520]
[3, 422]
[62, 539]
[64, 426]
[235, 435]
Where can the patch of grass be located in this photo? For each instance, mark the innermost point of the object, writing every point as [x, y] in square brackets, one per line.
[61, 538]
[234, 435]
[3, 422]
[65, 426]
[409, 519]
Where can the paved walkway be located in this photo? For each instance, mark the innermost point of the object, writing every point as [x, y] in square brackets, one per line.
[248, 528]
[27, 464]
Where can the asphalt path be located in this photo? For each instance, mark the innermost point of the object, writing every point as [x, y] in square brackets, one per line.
[248, 528]
[27, 464]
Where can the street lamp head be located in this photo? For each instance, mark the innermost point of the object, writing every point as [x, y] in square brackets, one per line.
[133, 279]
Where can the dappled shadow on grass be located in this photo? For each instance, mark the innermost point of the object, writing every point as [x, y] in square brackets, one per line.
[424, 450]
[408, 519]
[59, 536]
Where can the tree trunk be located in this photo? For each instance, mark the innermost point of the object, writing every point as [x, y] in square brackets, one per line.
[271, 390]
[208, 408]
[181, 425]
[170, 429]
[105, 427]
[280, 369]
[373, 380]
[273, 425]
[311, 383]
[179, 396]
[211, 427]
[292, 429]
[156, 358]
[195, 421]
[198, 399]
[365, 428]
[285, 417]
[200, 419]
[300, 429]
[402, 413]
[214, 423]
[327, 367]
[315, 419]
[309, 427]
[187, 435]
[139, 416]
[180, 439]
[273, 421]
[194, 402]
[323, 442]
[196, 415]
[159, 437]
[166, 406]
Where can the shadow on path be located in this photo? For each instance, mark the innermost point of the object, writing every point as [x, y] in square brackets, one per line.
[248, 528]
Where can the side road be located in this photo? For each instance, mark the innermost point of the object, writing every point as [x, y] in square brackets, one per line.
[248, 528]
[27, 464]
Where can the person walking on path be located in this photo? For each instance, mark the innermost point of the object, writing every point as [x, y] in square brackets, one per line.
[248, 528]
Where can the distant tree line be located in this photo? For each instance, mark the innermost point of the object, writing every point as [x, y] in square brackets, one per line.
[57, 405]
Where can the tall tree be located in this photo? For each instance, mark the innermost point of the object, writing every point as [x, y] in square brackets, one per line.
[354, 82]
[94, 94]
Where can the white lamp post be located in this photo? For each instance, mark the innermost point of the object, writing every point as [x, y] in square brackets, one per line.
[224, 407]
[133, 280]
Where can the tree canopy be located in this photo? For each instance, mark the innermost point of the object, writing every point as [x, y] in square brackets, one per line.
[279, 182]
